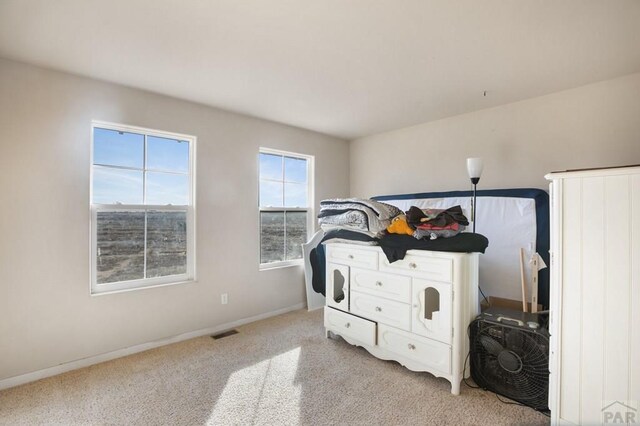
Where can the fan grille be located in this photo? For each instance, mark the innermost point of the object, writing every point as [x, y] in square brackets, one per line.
[511, 361]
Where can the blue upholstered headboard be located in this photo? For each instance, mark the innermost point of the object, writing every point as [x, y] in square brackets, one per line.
[510, 219]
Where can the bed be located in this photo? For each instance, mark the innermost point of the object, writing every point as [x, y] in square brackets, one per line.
[511, 219]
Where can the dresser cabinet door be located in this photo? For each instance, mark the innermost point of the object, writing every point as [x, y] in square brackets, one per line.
[337, 289]
[432, 310]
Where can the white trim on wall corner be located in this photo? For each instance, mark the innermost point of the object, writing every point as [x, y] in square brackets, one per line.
[85, 362]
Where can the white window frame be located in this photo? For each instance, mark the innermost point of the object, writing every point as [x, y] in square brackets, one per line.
[310, 209]
[120, 286]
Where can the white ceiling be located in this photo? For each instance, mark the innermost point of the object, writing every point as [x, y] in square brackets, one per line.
[348, 68]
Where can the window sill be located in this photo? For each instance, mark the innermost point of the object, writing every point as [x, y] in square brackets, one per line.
[145, 287]
[280, 265]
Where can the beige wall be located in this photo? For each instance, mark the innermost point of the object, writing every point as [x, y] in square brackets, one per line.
[47, 316]
[590, 126]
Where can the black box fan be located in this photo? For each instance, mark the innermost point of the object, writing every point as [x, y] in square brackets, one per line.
[509, 355]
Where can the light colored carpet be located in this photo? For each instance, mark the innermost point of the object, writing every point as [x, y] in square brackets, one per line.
[280, 371]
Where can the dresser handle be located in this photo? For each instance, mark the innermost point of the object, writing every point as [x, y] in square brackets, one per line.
[379, 283]
[378, 309]
[412, 347]
[413, 265]
[347, 325]
[350, 256]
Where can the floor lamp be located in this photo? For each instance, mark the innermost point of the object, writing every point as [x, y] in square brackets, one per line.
[474, 168]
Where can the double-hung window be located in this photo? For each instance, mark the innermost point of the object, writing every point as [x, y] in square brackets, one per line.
[286, 200]
[142, 208]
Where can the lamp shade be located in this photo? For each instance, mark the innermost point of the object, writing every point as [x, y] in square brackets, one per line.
[474, 167]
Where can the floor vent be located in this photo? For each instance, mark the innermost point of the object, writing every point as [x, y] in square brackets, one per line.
[224, 334]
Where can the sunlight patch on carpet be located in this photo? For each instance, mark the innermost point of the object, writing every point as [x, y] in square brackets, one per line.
[260, 392]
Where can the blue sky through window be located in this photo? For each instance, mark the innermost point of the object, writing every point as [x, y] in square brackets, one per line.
[120, 172]
[118, 148]
[270, 193]
[283, 181]
[112, 186]
[295, 170]
[167, 188]
[270, 166]
[295, 194]
[167, 154]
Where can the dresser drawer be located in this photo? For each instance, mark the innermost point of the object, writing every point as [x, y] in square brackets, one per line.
[428, 352]
[433, 268]
[349, 325]
[351, 256]
[382, 310]
[394, 287]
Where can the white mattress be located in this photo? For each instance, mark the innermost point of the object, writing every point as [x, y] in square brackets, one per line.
[509, 223]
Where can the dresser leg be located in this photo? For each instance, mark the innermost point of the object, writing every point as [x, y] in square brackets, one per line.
[455, 388]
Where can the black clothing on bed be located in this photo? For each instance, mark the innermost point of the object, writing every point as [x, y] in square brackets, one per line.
[318, 261]
[446, 217]
[346, 234]
[395, 246]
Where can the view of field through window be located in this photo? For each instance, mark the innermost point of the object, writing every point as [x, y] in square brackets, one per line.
[151, 175]
[121, 245]
[274, 245]
[283, 206]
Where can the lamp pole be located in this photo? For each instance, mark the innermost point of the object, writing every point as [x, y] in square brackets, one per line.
[474, 181]
[474, 168]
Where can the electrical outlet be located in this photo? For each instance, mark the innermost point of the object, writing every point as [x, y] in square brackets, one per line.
[224, 298]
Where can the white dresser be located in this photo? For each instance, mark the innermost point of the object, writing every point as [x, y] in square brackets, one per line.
[414, 311]
[595, 296]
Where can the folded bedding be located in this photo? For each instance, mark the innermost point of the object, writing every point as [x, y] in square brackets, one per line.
[349, 228]
[356, 213]
[382, 210]
[352, 218]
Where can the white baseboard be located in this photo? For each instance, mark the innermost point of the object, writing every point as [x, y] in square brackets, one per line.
[85, 362]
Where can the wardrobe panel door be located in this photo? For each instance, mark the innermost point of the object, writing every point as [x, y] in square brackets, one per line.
[571, 347]
[593, 288]
[618, 288]
[634, 334]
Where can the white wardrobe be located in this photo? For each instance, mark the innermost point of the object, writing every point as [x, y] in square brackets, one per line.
[595, 296]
